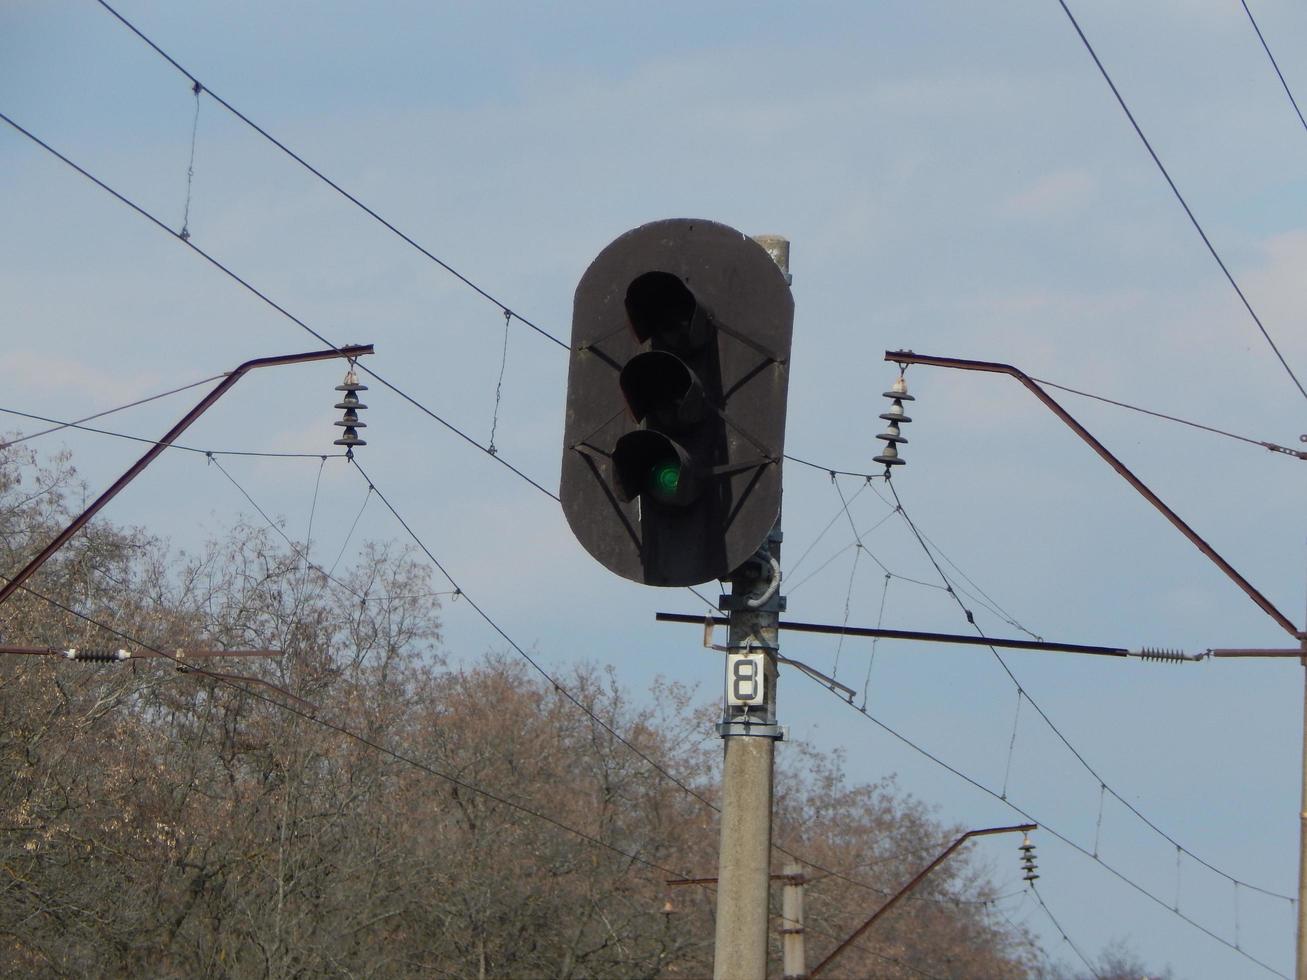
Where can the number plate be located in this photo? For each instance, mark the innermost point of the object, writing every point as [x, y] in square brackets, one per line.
[745, 679]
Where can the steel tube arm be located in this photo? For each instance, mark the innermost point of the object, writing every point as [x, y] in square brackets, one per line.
[1021, 828]
[908, 357]
[169, 437]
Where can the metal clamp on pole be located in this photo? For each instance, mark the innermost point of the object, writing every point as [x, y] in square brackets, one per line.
[750, 703]
[765, 562]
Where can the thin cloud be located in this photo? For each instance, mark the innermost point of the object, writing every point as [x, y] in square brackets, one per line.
[1053, 195]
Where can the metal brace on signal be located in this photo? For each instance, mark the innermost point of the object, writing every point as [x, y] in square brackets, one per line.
[763, 566]
[747, 707]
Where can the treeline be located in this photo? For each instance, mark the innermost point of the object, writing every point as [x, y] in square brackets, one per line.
[158, 823]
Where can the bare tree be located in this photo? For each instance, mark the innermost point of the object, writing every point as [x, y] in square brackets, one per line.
[165, 824]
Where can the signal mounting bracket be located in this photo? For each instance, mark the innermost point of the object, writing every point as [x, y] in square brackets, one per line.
[758, 729]
[739, 603]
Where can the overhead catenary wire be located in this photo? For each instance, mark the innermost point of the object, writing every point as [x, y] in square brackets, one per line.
[371, 743]
[829, 524]
[563, 691]
[1058, 926]
[853, 570]
[56, 426]
[295, 549]
[1274, 447]
[852, 544]
[979, 595]
[269, 301]
[1180, 197]
[554, 682]
[824, 468]
[1274, 64]
[880, 621]
[327, 574]
[1057, 731]
[848, 601]
[509, 313]
[499, 388]
[305, 326]
[1098, 824]
[857, 538]
[802, 461]
[156, 442]
[234, 683]
[350, 534]
[844, 508]
[518, 648]
[211, 454]
[313, 510]
[1057, 834]
[458, 592]
[504, 308]
[1012, 749]
[196, 89]
[904, 357]
[1025, 899]
[498, 457]
[308, 534]
[844, 511]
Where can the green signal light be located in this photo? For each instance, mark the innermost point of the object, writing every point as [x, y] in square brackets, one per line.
[666, 479]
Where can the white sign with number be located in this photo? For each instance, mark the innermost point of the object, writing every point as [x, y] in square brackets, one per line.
[745, 679]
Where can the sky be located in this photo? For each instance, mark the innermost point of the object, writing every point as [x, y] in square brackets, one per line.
[955, 179]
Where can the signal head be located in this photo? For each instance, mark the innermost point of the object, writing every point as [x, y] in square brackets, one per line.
[676, 402]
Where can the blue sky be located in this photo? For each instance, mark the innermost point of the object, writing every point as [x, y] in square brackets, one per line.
[955, 178]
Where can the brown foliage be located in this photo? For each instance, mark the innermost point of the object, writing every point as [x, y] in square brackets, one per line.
[163, 824]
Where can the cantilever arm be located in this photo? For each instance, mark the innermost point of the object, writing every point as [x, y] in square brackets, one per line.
[222, 388]
[1265, 604]
[921, 876]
